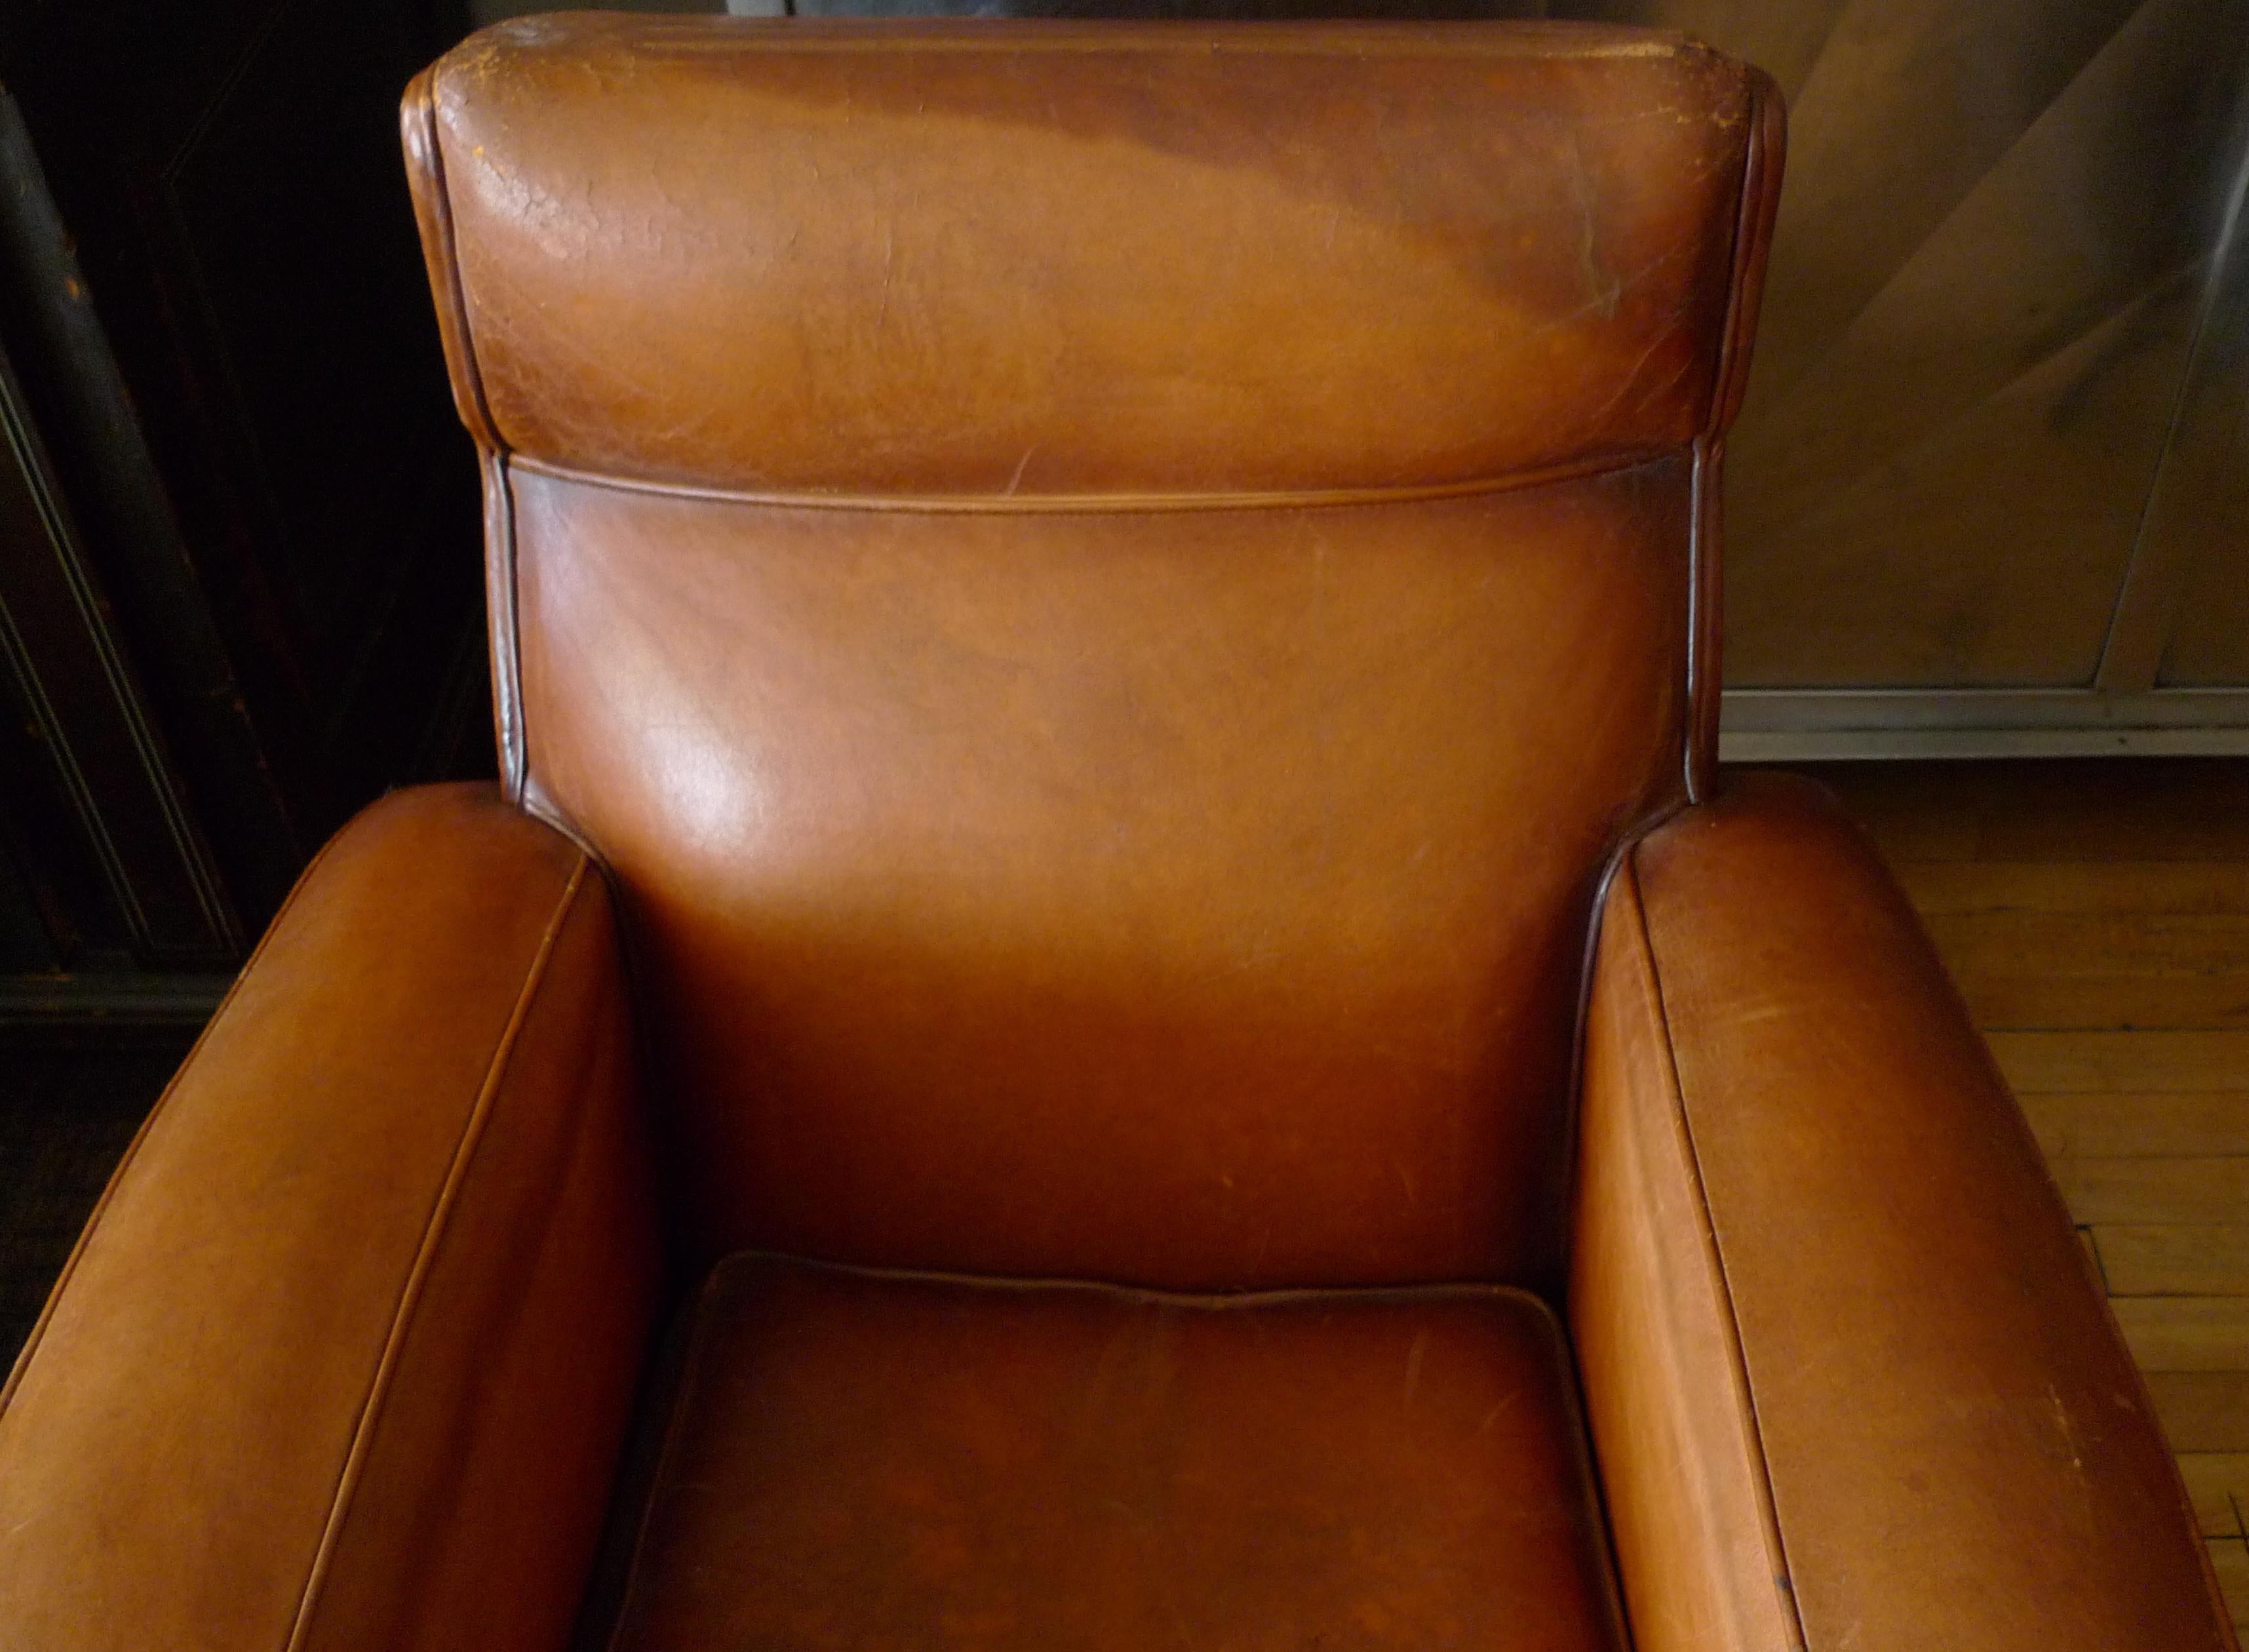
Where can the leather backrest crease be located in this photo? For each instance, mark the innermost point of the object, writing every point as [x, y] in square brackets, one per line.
[1105, 592]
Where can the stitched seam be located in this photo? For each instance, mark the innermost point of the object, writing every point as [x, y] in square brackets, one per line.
[1213, 1301]
[1768, 1507]
[163, 1103]
[417, 1274]
[1113, 504]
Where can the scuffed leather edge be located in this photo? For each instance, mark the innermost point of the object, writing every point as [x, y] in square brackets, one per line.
[1704, 671]
[433, 212]
[511, 46]
[1761, 1480]
[1763, 161]
[1761, 787]
[433, 1233]
[1763, 166]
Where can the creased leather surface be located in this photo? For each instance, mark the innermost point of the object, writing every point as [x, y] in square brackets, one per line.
[345, 1356]
[1106, 591]
[1027, 258]
[877, 1460]
[1959, 1450]
[1191, 899]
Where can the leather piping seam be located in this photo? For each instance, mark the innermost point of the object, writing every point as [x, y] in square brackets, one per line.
[1213, 1301]
[1768, 1507]
[434, 1230]
[1597, 465]
[1574, 1097]
[507, 623]
[1697, 754]
[147, 1126]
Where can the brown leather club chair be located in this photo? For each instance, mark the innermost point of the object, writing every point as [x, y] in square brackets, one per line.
[1111, 866]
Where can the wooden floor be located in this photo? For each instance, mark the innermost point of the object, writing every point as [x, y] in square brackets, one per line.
[2096, 915]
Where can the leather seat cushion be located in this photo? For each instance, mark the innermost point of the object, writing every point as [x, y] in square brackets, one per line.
[864, 1459]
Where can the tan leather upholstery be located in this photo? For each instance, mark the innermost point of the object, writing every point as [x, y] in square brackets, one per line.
[1105, 598]
[1116, 925]
[978, 259]
[1011, 728]
[945, 1462]
[1824, 1286]
[345, 1356]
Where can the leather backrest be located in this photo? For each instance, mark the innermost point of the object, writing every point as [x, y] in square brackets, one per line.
[1106, 593]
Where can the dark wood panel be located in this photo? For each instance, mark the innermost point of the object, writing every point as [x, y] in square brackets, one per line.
[78, 699]
[211, 288]
[73, 394]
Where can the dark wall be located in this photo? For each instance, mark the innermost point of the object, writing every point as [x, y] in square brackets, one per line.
[239, 585]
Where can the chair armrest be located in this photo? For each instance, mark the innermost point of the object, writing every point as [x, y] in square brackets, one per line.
[346, 1353]
[1851, 1380]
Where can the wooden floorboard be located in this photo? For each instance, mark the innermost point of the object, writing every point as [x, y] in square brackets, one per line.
[2177, 1191]
[2202, 1410]
[2076, 1002]
[2129, 1124]
[2185, 1333]
[2092, 810]
[2218, 1483]
[2096, 916]
[2171, 1061]
[2203, 1260]
[2055, 946]
[2229, 1558]
[2131, 889]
